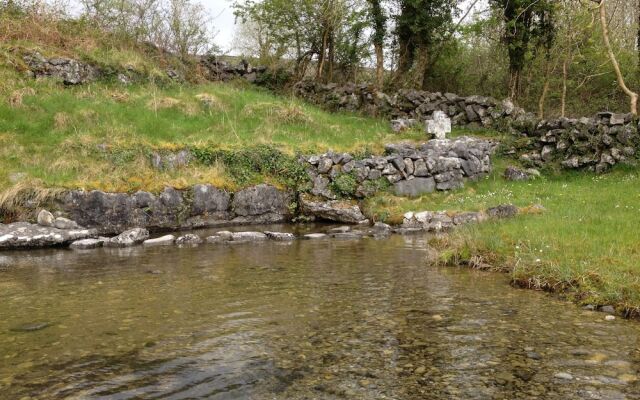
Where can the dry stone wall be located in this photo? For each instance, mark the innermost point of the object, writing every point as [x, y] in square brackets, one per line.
[595, 143]
[411, 169]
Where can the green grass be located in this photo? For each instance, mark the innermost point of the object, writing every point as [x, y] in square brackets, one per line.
[584, 245]
[52, 133]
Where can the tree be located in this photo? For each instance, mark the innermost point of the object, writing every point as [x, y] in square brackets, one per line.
[420, 27]
[633, 96]
[379, 22]
[527, 23]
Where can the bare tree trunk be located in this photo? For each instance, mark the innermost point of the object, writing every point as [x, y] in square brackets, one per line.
[379, 66]
[514, 84]
[545, 88]
[321, 56]
[332, 56]
[563, 101]
[633, 97]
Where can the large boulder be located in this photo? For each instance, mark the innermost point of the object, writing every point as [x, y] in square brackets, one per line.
[207, 199]
[26, 235]
[334, 210]
[261, 204]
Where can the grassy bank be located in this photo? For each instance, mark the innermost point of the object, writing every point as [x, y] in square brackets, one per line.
[584, 245]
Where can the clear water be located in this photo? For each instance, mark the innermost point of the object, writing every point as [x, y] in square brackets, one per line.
[326, 319]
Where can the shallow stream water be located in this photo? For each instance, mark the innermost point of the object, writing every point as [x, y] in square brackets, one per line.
[324, 319]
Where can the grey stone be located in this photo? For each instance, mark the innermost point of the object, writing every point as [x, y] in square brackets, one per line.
[207, 199]
[280, 236]
[25, 235]
[512, 173]
[333, 210]
[128, 238]
[160, 241]
[608, 309]
[415, 187]
[86, 244]
[65, 223]
[503, 211]
[421, 169]
[325, 164]
[374, 174]
[189, 239]
[248, 236]
[262, 199]
[408, 166]
[45, 218]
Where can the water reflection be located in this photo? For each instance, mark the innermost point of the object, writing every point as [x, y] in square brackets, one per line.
[305, 320]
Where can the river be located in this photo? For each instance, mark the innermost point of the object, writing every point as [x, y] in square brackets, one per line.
[313, 319]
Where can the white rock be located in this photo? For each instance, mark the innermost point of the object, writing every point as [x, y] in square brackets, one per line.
[609, 318]
[160, 241]
[45, 218]
[439, 126]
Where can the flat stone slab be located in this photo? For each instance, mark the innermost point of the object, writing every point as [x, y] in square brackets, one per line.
[24, 235]
[248, 236]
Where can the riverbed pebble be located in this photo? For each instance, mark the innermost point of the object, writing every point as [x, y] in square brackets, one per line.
[563, 375]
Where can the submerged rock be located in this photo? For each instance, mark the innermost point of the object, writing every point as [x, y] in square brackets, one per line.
[32, 327]
[128, 238]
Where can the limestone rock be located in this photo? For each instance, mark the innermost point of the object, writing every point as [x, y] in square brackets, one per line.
[25, 235]
[262, 200]
[512, 173]
[128, 238]
[160, 241]
[280, 236]
[333, 210]
[415, 187]
[189, 239]
[65, 223]
[86, 244]
[45, 218]
[503, 211]
[248, 236]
